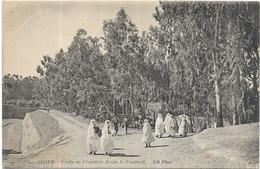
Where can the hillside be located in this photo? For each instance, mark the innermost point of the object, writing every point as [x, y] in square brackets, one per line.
[237, 143]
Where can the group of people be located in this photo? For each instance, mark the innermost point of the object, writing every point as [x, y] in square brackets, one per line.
[168, 127]
[116, 124]
[106, 140]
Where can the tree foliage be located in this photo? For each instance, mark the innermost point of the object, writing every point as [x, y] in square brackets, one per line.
[200, 59]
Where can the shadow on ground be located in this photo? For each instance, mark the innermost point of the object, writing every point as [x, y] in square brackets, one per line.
[123, 155]
[11, 152]
[158, 146]
[183, 136]
[118, 155]
[118, 149]
[126, 134]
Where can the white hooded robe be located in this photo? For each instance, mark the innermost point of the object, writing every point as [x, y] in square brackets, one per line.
[166, 124]
[92, 137]
[107, 142]
[147, 133]
[159, 127]
[183, 127]
[172, 127]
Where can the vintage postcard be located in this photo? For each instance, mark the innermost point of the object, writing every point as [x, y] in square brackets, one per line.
[130, 84]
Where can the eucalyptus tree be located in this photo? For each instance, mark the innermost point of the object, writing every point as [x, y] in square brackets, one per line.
[181, 53]
[248, 19]
[202, 35]
[124, 61]
[76, 79]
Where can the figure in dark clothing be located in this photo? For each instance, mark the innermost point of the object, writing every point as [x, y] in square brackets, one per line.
[115, 121]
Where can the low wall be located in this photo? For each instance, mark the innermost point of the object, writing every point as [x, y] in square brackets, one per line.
[18, 112]
[15, 112]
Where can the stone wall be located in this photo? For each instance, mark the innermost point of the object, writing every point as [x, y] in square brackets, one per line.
[15, 112]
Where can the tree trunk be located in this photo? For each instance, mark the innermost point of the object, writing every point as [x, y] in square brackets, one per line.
[235, 114]
[218, 105]
[122, 108]
[132, 111]
[219, 115]
[114, 106]
[256, 99]
[190, 114]
[216, 72]
[245, 104]
[153, 118]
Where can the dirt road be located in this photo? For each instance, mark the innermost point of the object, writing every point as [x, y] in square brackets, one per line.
[69, 150]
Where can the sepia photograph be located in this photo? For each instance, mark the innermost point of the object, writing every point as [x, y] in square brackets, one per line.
[130, 84]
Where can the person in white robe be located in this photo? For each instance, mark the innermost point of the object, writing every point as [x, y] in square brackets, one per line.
[166, 124]
[92, 138]
[172, 126]
[107, 142]
[183, 127]
[159, 127]
[148, 137]
[180, 118]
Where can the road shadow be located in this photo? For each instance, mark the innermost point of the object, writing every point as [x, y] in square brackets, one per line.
[163, 137]
[98, 154]
[158, 146]
[118, 149]
[116, 155]
[123, 155]
[126, 134]
[10, 152]
[6, 124]
[182, 136]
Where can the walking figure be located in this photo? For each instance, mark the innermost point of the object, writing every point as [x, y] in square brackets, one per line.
[115, 121]
[92, 138]
[107, 142]
[126, 124]
[147, 134]
[159, 126]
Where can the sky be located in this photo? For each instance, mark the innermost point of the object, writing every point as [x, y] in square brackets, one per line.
[34, 29]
